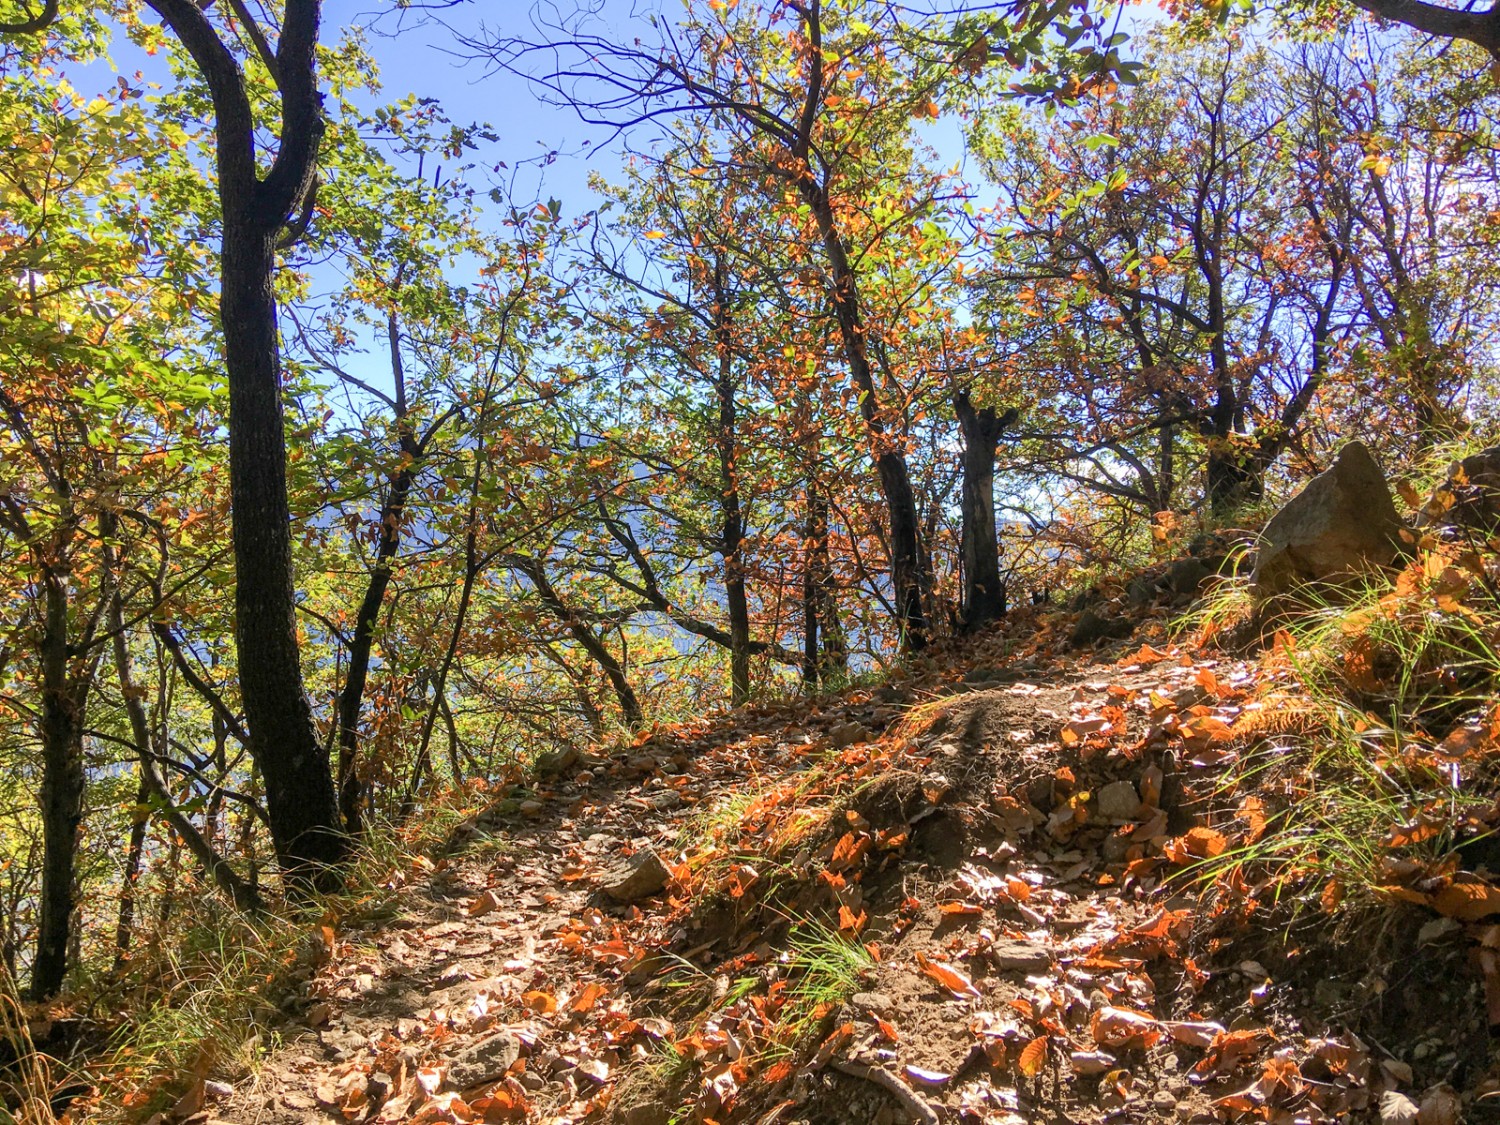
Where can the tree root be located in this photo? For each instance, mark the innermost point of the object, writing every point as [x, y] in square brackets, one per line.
[910, 1100]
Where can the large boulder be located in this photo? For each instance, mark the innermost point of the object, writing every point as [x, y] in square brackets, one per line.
[1342, 523]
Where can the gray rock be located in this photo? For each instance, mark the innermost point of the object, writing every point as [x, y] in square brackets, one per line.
[639, 877]
[1119, 801]
[1164, 1102]
[485, 1061]
[1010, 955]
[1342, 523]
[557, 761]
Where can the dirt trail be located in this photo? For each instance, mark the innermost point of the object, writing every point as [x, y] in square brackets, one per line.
[998, 844]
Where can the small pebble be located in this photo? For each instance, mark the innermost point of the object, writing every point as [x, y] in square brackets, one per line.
[1164, 1102]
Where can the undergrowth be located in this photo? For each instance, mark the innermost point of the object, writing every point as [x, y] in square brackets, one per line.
[203, 998]
[1369, 766]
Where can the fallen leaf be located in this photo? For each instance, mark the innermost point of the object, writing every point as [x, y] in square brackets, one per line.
[1468, 902]
[1193, 1034]
[1091, 1062]
[1122, 1027]
[950, 978]
[1033, 1057]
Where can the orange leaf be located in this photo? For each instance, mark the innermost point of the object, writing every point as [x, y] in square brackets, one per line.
[587, 997]
[851, 922]
[1033, 1055]
[1468, 902]
[539, 1001]
[1118, 1027]
[947, 976]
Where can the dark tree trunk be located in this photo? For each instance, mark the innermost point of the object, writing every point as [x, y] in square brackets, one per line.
[984, 588]
[1233, 477]
[825, 653]
[392, 514]
[732, 533]
[130, 881]
[65, 693]
[306, 828]
[305, 821]
[907, 573]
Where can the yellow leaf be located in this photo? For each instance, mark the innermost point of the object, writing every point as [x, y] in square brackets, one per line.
[655, 234]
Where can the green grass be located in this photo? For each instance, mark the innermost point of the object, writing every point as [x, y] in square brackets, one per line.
[1375, 680]
[824, 969]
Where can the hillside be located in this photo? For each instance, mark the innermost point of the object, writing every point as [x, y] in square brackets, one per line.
[965, 894]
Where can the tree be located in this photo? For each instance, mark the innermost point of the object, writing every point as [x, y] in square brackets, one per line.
[261, 212]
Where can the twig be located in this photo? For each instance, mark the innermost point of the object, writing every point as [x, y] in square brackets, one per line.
[910, 1100]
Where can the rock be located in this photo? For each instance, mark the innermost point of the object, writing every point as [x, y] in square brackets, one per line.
[1164, 1102]
[1469, 498]
[1186, 575]
[877, 1002]
[647, 1113]
[1010, 955]
[1342, 523]
[1141, 591]
[667, 801]
[639, 877]
[1116, 848]
[1095, 626]
[485, 1061]
[1438, 929]
[557, 761]
[1119, 801]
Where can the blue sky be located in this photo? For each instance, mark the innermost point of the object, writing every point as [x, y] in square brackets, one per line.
[419, 53]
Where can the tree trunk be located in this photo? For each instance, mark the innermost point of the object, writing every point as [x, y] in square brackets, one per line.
[1232, 477]
[304, 813]
[351, 787]
[732, 533]
[64, 701]
[907, 574]
[825, 652]
[130, 881]
[984, 589]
